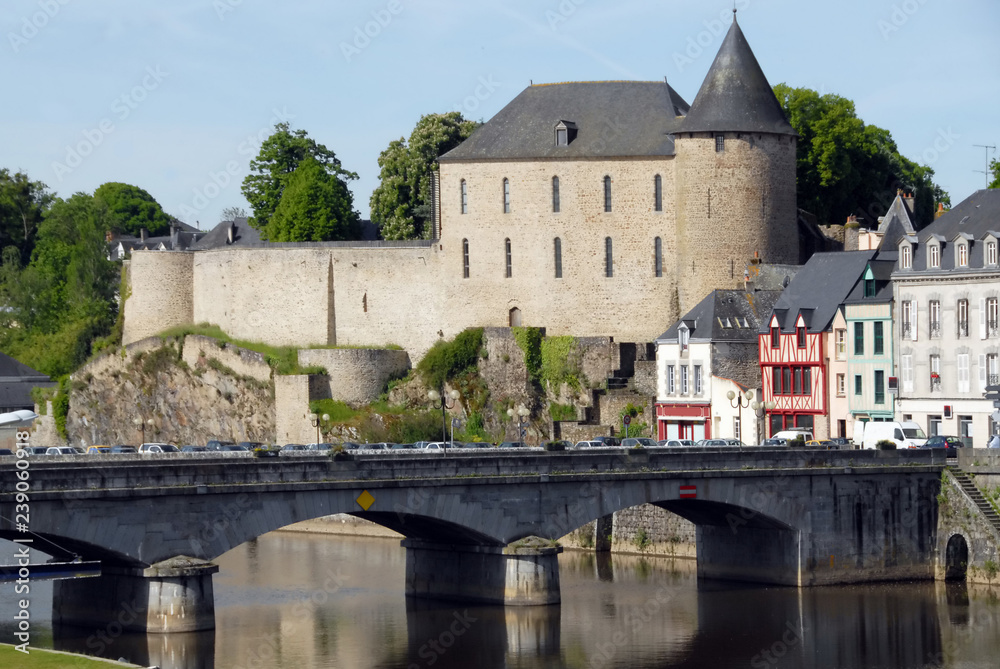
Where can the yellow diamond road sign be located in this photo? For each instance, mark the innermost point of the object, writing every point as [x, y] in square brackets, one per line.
[365, 500]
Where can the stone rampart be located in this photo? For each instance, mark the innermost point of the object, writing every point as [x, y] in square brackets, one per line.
[198, 350]
[357, 376]
[291, 409]
[614, 403]
[161, 293]
[959, 516]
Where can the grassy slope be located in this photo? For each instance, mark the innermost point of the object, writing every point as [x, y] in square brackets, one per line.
[43, 659]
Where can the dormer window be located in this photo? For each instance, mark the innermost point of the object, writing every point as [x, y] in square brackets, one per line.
[869, 287]
[906, 257]
[991, 253]
[963, 255]
[933, 255]
[683, 337]
[565, 133]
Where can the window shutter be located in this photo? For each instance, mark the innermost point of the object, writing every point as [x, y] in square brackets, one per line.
[963, 373]
[982, 318]
[907, 365]
[914, 319]
[982, 372]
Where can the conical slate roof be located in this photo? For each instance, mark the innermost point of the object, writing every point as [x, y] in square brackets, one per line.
[735, 96]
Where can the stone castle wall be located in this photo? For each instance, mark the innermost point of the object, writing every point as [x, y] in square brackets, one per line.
[731, 204]
[632, 305]
[198, 350]
[357, 376]
[162, 293]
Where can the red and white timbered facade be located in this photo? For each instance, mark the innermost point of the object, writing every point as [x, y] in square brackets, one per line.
[793, 375]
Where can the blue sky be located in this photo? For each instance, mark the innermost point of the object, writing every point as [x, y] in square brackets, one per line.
[173, 97]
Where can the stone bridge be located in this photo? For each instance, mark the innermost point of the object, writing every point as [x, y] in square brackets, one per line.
[472, 521]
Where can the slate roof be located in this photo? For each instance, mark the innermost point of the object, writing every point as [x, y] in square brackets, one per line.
[613, 118]
[978, 215]
[726, 316]
[735, 95]
[218, 237]
[882, 268]
[16, 382]
[819, 289]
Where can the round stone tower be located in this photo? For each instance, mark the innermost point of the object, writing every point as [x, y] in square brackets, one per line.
[735, 154]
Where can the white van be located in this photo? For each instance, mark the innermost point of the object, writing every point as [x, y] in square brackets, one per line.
[905, 434]
[794, 433]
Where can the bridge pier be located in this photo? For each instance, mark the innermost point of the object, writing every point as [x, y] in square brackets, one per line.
[522, 574]
[171, 596]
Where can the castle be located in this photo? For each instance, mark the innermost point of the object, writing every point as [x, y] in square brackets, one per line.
[595, 208]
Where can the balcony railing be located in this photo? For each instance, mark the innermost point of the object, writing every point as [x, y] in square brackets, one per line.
[963, 328]
[935, 329]
[935, 383]
[907, 330]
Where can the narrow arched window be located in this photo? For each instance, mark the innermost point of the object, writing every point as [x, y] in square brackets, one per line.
[607, 194]
[465, 258]
[555, 195]
[657, 193]
[557, 251]
[509, 271]
[609, 259]
[658, 251]
[465, 197]
[506, 196]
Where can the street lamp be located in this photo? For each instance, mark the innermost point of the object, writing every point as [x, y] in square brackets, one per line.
[522, 414]
[316, 420]
[736, 400]
[141, 424]
[760, 410]
[435, 396]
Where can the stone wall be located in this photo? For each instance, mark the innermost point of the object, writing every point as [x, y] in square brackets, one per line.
[198, 350]
[958, 515]
[584, 301]
[291, 409]
[357, 376]
[613, 404]
[667, 534]
[731, 204]
[503, 369]
[162, 293]
[644, 381]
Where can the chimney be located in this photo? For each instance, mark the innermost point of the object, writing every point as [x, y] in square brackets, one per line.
[910, 202]
[143, 233]
[940, 211]
[174, 233]
[851, 234]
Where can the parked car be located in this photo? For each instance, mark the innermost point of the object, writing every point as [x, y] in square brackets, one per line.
[98, 450]
[638, 442]
[675, 443]
[233, 448]
[404, 447]
[36, 450]
[251, 445]
[950, 444]
[350, 446]
[840, 443]
[715, 443]
[6, 451]
[436, 446]
[587, 444]
[191, 448]
[608, 441]
[377, 446]
[61, 450]
[477, 444]
[156, 447]
[512, 444]
[122, 449]
[795, 433]
[291, 448]
[217, 445]
[775, 441]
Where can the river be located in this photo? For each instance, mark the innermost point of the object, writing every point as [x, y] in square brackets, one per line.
[295, 601]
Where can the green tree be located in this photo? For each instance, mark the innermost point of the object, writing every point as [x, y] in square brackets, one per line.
[65, 297]
[995, 171]
[847, 167]
[400, 205]
[22, 205]
[132, 209]
[277, 160]
[315, 207]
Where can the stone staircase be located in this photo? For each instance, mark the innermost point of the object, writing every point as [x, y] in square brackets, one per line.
[973, 493]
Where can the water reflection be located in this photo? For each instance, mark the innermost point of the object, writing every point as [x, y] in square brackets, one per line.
[293, 600]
